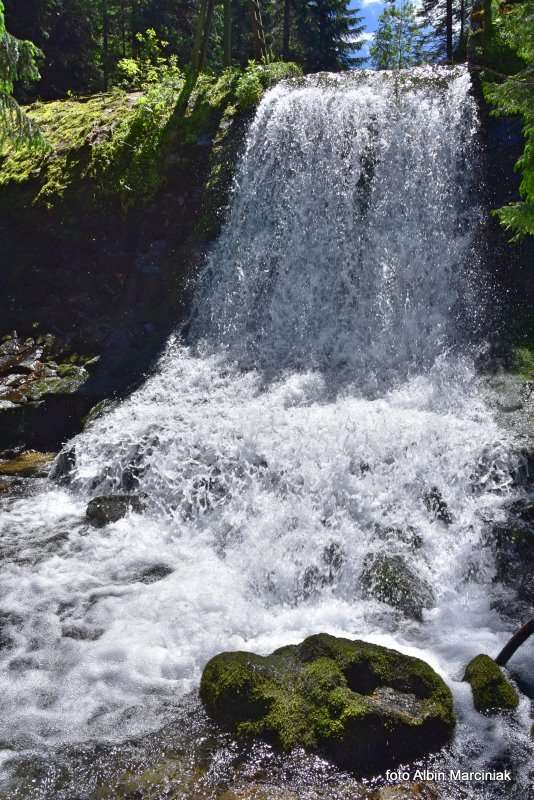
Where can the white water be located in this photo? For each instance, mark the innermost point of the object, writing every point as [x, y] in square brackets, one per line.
[320, 394]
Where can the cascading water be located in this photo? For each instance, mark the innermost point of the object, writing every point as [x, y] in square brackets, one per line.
[321, 397]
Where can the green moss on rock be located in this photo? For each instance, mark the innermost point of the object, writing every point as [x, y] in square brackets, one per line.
[363, 705]
[491, 690]
[117, 146]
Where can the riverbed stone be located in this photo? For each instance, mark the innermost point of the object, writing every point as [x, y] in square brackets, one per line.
[29, 464]
[389, 579]
[364, 706]
[491, 690]
[101, 511]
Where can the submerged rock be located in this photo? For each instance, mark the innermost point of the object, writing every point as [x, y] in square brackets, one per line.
[491, 690]
[102, 511]
[30, 464]
[366, 707]
[436, 505]
[389, 579]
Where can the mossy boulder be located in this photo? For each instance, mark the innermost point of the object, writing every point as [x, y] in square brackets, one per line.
[364, 706]
[390, 580]
[491, 690]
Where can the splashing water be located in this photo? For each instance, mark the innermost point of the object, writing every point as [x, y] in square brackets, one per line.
[320, 396]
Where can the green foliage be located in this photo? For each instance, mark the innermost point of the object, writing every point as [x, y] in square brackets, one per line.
[18, 62]
[152, 66]
[259, 77]
[524, 361]
[92, 46]
[514, 95]
[397, 43]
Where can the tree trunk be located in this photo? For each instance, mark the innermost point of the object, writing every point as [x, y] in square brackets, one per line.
[449, 27]
[227, 33]
[515, 642]
[105, 43]
[488, 23]
[286, 30]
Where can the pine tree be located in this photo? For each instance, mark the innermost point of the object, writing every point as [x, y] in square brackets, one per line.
[329, 35]
[447, 22]
[514, 31]
[18, 62]
[397, 43]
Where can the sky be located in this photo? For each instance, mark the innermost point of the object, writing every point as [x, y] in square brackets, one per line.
[370, 11]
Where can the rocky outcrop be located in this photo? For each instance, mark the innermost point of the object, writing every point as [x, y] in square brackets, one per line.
[491, 690]
[40, 383]
[364, 706]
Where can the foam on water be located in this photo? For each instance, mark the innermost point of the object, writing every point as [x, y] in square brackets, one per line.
[321, 393]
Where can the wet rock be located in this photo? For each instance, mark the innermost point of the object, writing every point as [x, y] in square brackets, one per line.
[365, 707]
[64, 466]
[97, 411]
[436, 505]
[390, 580]
[102, 511]
[491, 690]
[405, 791]
[170, 779]
[317, 577]
[81, 633]
[514, 553]
[30, 464]
[393, 535]
[156, 573]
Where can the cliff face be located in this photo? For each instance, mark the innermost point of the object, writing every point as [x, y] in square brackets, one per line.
[101, 231]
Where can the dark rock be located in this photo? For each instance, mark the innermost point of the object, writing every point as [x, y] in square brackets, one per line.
[156, 573]
[436, 505]
[317, 577]
[102, 511]
[514, 556]
[366, 707]
[389, 579]
[491, 690]
[64, 467]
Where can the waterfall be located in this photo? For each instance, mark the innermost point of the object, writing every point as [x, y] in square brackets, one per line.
[322, 413]
[348, 240]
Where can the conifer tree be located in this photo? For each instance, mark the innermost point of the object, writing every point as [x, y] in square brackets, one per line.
[18, 62]
[447, 23]
[397, 43]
